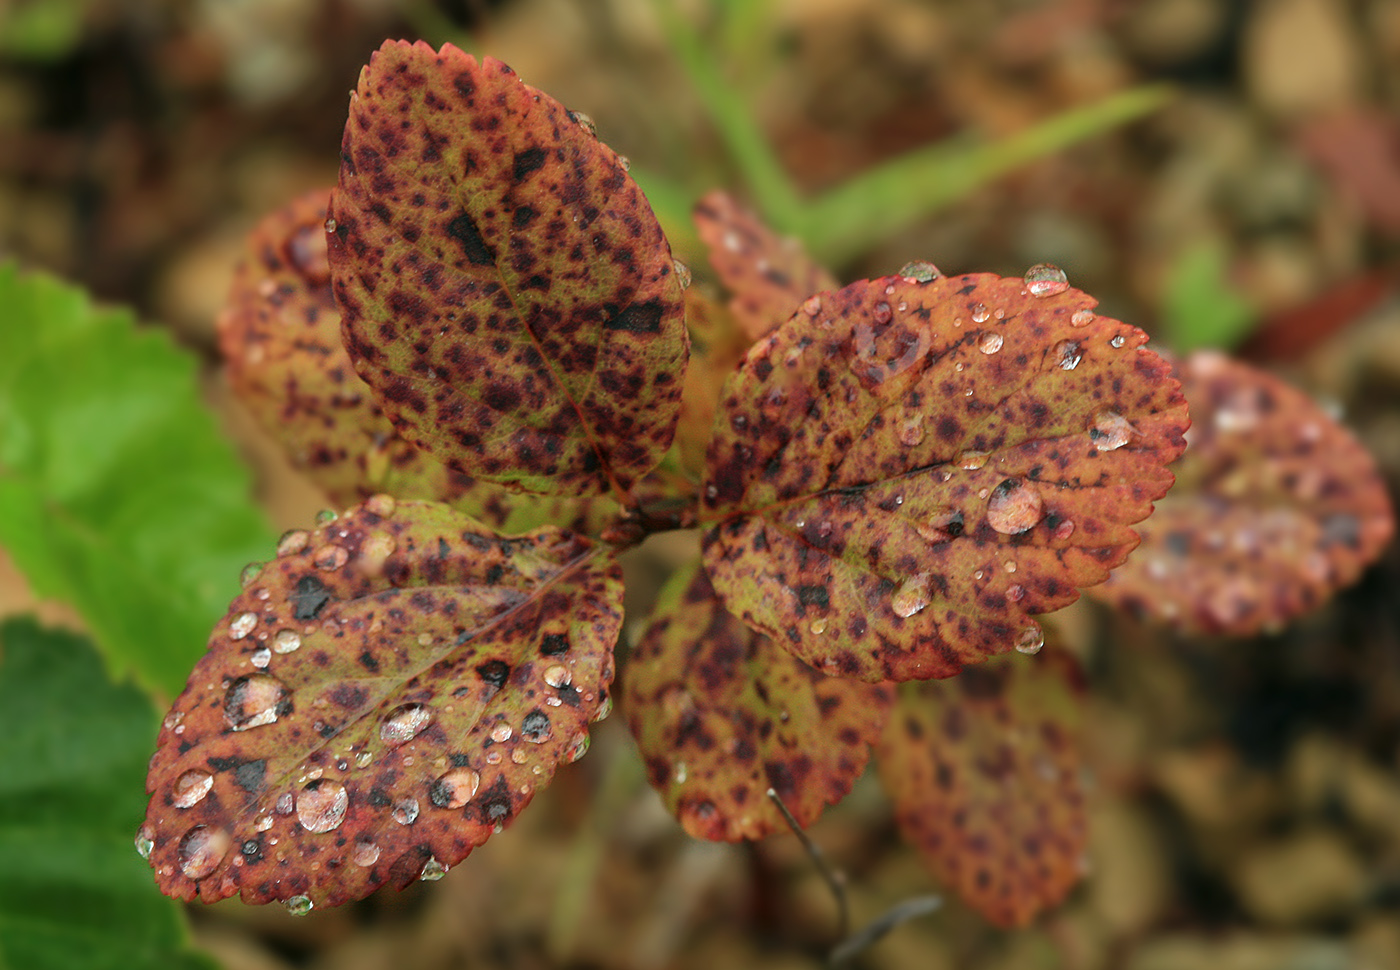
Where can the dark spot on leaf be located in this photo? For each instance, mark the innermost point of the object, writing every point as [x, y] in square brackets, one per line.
[310, 597]
[464, 230]
[494, 672]
[637, 318]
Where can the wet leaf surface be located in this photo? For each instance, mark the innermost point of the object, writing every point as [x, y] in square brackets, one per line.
[280, 336]
[384, 695]
[722, 714]
[1276, 507]
[716, 347]
[506, 289]
[768, 275]
[984, 771]
[906, 471]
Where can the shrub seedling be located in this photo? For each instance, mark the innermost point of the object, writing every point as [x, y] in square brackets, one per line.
[490, 355]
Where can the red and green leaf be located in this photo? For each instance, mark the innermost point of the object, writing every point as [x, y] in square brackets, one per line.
[280, 336]
[722, 714]
[984, 771]
[716, 346]
[505, 287]
[768, 275]
[1276, 507]
[385, 694]
[910, 468]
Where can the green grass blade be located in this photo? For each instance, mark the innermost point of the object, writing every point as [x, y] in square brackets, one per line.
[854, 216]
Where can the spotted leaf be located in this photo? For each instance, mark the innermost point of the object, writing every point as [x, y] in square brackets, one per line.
[280, 337]
[769, 275]
[1276, 507]
[916, 465]
[506, 289]
[984, 771]
[722, 714]
[386, 693]
[716, 346]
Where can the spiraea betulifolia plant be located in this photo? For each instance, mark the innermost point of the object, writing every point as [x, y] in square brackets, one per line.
[480, 346]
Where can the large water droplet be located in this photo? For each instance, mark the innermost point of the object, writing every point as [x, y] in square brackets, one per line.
[242, 625]
[292, 542]
[911, 430]
[585, 122]
[912, 596]
[286, 641]
[1117, 341]
[364, 854]
[261, 658]
[1067, 354]
[432, 870]
[1030, 640]
[990, 342]
[330, 557]
[201, 850]
[536, 728]
[406, 811]
[501, 733]
[321, 805]
[326, 516]
[683, 275]
[299, 905]
[818, 626]
[579, 747]
[250, 574]
[1014, 507]
[1044, 279]
[972, 460]
[1081, 318]
[145, 841]
[191, 787]
[557, 675]
[1110, 431]
[455, 788]
[404, 723]
[918, 271]
[254, 700]
[604, 709]
[381, 505]
[980, 313]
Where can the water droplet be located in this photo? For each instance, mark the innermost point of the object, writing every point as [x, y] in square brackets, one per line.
[403, 724]
[432, 869]
[1015, 593]
[980, 314]
[912, 596]
[1014, 507]
[145, 841]
[1117, 341]
[918, 271]
[1045, 279]
[250, 574]
[990, 342]
[882, 313]
[284, 804]
[683, 275]
[286, 641]
[254, 700]
[1110, 431]
[501, 733]
[579, 747]
[911, 432]
[1030, 640]
[242, 625]
[299, 905]
[557, 676]
[584, 122]
[321, 805]
[326, 516]
[381, 505]
[292, 542]
[1067, 354]
[1081, 318]
[625, 162]
[604, 709]
[406, 811]
[201, 850]
[191, 787]
[818, 626]
[973, 460]
[330, 557]
[363, 759]
[364, 854]
[535, 727]
[812, 306]
[261, 658]
[263, 823]
[711, 491]
[455, 788]
[1063, 530]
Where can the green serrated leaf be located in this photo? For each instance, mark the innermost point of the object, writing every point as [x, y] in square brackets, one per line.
[506, 289]
[75, 896]
[118, 493]
[384, 695]
[910, 468]
[722, 714]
